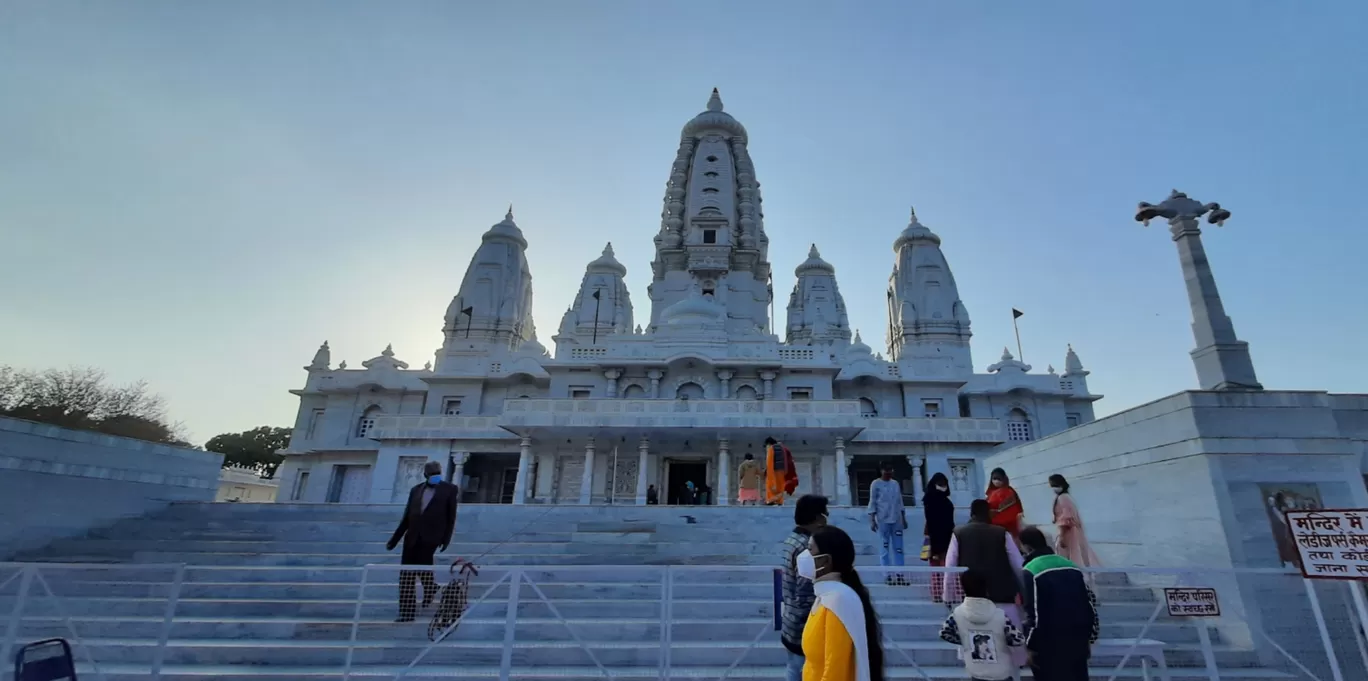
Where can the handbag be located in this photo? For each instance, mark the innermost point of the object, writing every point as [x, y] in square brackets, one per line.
[455, 598]
[926, 548]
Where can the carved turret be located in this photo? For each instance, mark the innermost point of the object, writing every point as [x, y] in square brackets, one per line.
[1009, 365]
[928, 325]
[494, 306]
[601, 308]
[1074, 373]
[385, 361]
[712, 226]
[816, 310]
[321, 360]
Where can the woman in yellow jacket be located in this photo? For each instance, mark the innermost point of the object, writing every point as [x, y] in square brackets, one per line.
[841, 641]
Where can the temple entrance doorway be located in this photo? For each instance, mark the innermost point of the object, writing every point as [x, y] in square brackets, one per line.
[865, 470]
[681, 472]
[489, 479]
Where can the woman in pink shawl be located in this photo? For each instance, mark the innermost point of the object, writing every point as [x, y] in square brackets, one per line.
[1071, 543]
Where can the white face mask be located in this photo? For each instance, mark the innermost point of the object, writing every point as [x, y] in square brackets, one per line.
[943, 488]
[1058, 490]
[807, 565]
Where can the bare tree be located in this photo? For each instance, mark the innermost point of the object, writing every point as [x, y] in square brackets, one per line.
[79, 397]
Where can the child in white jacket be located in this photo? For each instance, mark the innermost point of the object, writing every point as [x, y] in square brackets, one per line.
[982, 631]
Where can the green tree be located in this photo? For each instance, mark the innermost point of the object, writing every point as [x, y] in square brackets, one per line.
[255, 449]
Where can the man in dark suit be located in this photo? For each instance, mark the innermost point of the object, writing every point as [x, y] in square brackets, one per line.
[429, 519]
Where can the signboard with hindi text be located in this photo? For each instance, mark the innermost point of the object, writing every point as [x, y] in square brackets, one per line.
[1192, 602]
[1332, 543]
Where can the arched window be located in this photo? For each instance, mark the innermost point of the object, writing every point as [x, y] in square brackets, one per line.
[746, 392]
[634, 392]
[689, 391]
[867, 408]
[1018, 426]
[367, 422]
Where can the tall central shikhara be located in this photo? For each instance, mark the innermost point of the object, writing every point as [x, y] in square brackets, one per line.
[712, 236]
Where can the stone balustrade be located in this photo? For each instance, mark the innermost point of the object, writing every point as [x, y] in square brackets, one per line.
[519, 415]
[439, 428]
[522, 414]
[988, 431]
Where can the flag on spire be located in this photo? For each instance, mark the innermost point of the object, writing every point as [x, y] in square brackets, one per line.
[1016, 313]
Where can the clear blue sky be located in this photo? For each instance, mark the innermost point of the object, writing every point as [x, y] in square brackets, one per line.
[198, 194]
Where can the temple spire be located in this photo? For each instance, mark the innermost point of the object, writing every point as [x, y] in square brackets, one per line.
[715, 101]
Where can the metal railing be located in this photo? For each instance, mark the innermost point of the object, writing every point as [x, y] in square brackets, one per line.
[599, 622]
[60, 600]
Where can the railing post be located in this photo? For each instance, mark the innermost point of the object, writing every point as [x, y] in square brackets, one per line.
[12, 631]
[356, 621]
[159, 655]
[1356, 592]
[667, 626]
[510, 624]
[1324, 633]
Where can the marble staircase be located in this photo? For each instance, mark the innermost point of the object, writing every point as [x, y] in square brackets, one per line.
[270, 593]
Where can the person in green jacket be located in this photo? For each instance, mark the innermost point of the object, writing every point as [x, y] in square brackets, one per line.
[1060, 612]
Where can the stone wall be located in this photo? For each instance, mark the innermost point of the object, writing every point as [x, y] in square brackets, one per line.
[1156, 483]
[56, 482]
[1183, 482]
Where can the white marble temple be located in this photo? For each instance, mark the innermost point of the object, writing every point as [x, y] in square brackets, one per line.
[694, 386]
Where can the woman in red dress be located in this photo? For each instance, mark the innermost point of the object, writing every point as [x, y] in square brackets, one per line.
[1004, 503]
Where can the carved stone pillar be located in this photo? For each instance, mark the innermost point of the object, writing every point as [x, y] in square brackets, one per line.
[587, 481]
[458, 462]
[724, 378]
[643, 454]
[524, 481]
[1222, 360]
[612, 375]
[723, 471]
[768, 377]
[842, 474]
[655, 375]
[916, 461]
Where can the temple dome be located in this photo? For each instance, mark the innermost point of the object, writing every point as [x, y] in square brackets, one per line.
[915, 231]
[506, 229]
[695, 309]
[814, 264]
[858, 349]
[714, 119]
[608, 263]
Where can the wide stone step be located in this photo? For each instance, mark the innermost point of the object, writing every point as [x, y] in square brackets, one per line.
[333, 583]
[678, 672]
[490, 629]
[456, 651]
[485, 603]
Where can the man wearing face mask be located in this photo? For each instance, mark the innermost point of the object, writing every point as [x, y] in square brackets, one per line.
[809, 514]
[429, 519]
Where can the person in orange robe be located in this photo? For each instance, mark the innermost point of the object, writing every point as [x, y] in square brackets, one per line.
[780, 477]
[1004, 503]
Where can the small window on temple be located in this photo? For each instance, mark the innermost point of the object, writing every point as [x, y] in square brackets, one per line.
[709, 236]
[708, 292]
[710, 190]
[710, 173]
[712, 159]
